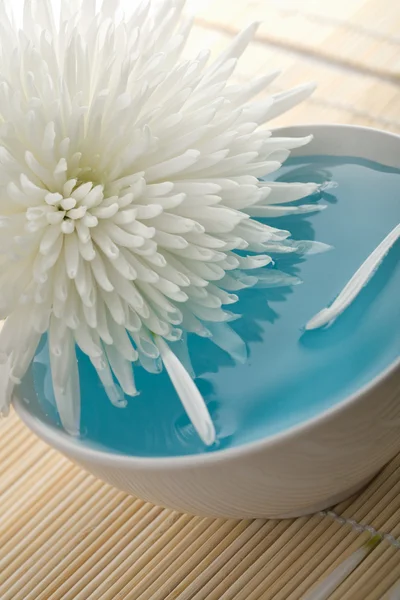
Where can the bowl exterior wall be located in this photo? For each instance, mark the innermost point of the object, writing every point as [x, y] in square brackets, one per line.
[314, 469]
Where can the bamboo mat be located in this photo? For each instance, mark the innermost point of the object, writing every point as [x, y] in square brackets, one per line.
[66, 536]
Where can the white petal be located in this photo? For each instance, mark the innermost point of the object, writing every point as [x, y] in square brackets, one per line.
[172, 166]
[71, 255]
[237, 47]
[64, 368]
[188, 393]
[271, 278]
[122, 370]
[277, 211]
[359, 280]
[287, 100]
[113, 391]
[288, 192]
[325, 589]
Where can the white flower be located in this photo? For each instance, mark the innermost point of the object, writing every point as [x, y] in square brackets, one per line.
[128, 178]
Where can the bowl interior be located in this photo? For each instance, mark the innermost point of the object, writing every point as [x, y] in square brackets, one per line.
[290, 376]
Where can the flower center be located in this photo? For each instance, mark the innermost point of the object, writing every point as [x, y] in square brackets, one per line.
[74, 208]
[64, 211]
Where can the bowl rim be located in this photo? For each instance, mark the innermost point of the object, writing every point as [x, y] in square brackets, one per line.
[74, 448]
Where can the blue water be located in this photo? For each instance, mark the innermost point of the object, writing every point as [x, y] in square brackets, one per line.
[290, 375]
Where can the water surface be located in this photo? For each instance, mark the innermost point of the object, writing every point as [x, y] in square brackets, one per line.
[290, 375]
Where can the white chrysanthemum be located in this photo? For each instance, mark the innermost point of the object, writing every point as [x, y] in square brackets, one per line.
[128, 180]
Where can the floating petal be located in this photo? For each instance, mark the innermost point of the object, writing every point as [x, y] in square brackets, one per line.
[359, 280]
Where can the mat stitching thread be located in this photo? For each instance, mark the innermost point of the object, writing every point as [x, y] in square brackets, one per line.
[360, 528]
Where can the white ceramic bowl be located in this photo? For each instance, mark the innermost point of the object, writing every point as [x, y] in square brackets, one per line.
[303, 470]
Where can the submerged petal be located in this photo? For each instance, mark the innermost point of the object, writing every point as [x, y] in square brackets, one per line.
[65, 375]
[227, 339]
